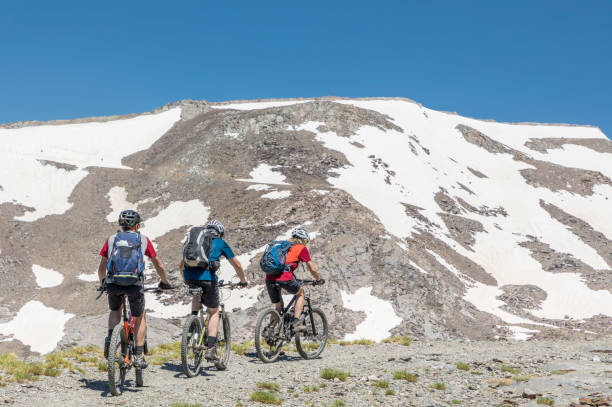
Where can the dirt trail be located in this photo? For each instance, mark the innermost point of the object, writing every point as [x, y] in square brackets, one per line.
[562, 371]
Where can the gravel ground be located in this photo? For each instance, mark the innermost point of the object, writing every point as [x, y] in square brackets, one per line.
[589, 364]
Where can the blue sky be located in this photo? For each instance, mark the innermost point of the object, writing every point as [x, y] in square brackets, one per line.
[544, 61]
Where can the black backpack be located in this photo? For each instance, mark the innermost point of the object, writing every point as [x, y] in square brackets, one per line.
[196, 249]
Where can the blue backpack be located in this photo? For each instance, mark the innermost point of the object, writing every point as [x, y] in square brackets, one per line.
[125, 261]
[274, 258]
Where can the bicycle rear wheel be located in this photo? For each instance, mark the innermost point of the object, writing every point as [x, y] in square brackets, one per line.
[117, 368]
[139, 379]
[191, 348]
[224, 342]
[311, 343]
[268, 340]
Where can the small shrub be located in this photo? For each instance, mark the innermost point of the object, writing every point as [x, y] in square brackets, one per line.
[356, 342]
[547, 401]
[240, 348]
[102, 366]
[338, 403]
[382, 384]
[564, 371]
[477, 372]
[330, 374]
[438, 386]
[389, 392]
[308, 389]
[266, 397]
[401, 340]
[455, 401]
[2, 384]
[509, 369]
[462, 366]
[268, 386]
[51, 371]
[185, 405]
[522, 378]
[404, 375]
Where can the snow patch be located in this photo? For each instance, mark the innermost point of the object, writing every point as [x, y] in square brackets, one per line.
[521, 334]
[263, 174]
[259, 187]
[277, 195]
[176, 215]
[320, 191]
[380, 315]
[26, 151]
[118, 201]
[91, 277]
[37, 326]
[46, 278]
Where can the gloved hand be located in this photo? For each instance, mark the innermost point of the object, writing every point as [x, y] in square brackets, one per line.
[320, 282]
[243, 285]
[164, 286]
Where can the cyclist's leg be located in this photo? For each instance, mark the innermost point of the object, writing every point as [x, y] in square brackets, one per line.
[294, 287]
[274, 294]
[137, 306]
[210, 298]
[115, 302]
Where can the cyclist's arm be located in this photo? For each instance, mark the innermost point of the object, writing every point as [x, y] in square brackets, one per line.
[102, 269]
[314, 270]
[159, 267]
[238, 267]
[181, 268]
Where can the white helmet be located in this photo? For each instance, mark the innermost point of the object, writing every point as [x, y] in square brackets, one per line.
[300, 234]
[217, 226]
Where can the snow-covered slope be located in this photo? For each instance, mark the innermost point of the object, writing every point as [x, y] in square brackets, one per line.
[427, 223]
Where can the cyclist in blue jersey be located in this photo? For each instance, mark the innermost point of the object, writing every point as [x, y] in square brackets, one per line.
[207, 279]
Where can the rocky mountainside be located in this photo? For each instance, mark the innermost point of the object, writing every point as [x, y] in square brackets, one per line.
[425, 223]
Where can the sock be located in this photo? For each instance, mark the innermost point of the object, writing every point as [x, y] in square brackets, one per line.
[211, 341]
[194, 312]
[139, 350]
[109, 333]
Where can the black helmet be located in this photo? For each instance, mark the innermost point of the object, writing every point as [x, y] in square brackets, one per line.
[129, 218]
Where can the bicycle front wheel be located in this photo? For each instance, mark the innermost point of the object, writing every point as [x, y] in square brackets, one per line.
[268, 340]
[224, 342]
[117, 367]
[311, 343]
[192, 346]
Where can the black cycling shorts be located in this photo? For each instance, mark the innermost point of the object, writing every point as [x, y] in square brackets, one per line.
[135, 294]
[291, 286]
[210, 292]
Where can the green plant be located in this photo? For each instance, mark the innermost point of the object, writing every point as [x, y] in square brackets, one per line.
[330, 374]
[185, 405]
[102, 366]
[382, 384]
[268, 386]
[308, 389]
[547, 401]
[404, 375]
[522, 378]
[266, 397]
[401, 340]
[462, 366]
[240, 348]
[338, 403]
[509, 369]
[477, 372]
[438, 386]
[356, 342]
[389, 392]
[455, 401]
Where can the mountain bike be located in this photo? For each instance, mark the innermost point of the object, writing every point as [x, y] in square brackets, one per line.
[273, 329]
[122, 349]
[195, 332]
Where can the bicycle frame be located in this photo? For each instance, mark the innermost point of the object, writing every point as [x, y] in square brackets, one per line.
[221, 307]
[306, 309]
[129, 325]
